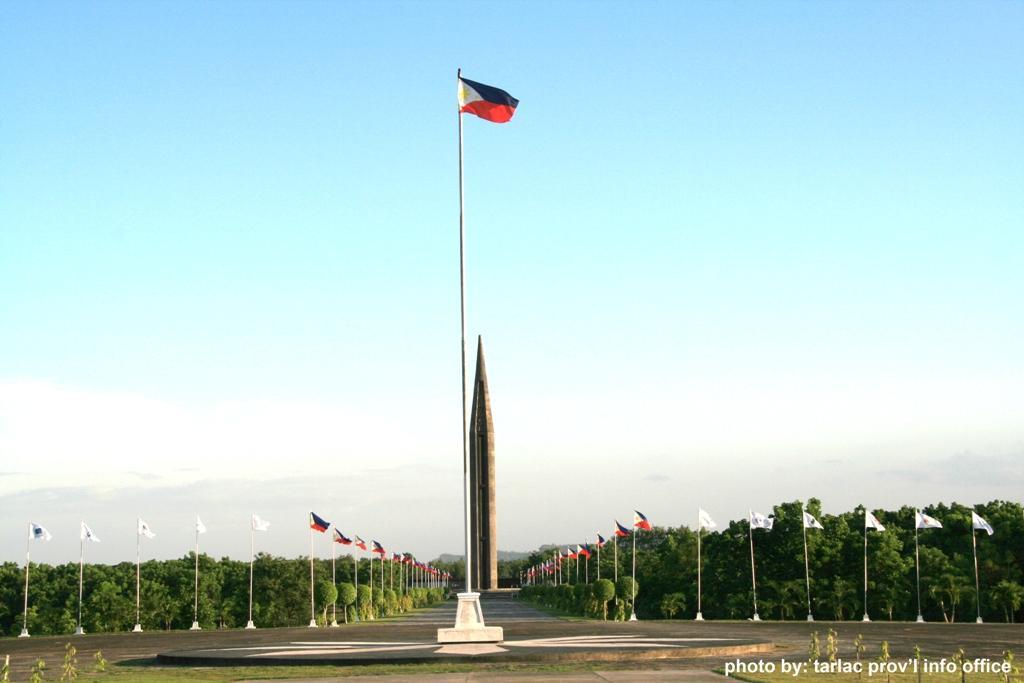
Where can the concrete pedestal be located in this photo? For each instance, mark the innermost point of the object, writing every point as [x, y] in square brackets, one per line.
[24, 633]
[250, 625]
[469, 624]
[699, 617]
[137, 629]
[195, 626]
[79, 631]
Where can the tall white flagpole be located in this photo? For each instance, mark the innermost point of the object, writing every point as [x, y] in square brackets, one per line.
[81, 573]
[312, 601]
[807, 564]
[252, 558]
[138, 582]
[195, 608]
[753, 571]
[632, 589]
[866, 617]
[28, 561]
[700, 615]
[917, 565]
[977, 583]
[598, 561]
[371, 586]
[462, 321]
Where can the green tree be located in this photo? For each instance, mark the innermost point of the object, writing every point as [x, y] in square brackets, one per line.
[604, 590]
[346, 596]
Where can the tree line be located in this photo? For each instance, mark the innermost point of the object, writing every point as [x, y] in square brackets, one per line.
[280, 594]
[667, 568]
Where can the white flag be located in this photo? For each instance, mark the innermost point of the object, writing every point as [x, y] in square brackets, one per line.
[978, 523]
[38, 533]
[200, 527]
[810, 522]
[759, 521]
[704, 520]
[871, 522]
[144, 530]
[88, 535]
[923, 521]
[259, 524]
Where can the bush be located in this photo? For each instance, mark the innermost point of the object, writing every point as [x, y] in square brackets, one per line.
[604, 590]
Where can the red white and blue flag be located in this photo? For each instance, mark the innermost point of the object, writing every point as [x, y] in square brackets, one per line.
[487, 102]
[600, 541]
[583, 550]
[341, 538]
[396, 557]
[360, 543]
[620, 530]
[318, 523]
[571, 554]
[640, 522]
[378, 548]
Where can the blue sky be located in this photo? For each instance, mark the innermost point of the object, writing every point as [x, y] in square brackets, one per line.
[718, 240]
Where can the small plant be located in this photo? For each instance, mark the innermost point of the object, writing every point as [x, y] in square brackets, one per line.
[814, 651]
[858, 648]
[101, 663]
[832, 645]
[38, 670]
[1008, 658]
[959, 657]
[884, 656]
[918, 662]
[69, 670]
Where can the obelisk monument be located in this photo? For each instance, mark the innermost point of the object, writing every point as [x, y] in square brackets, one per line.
[483, 513]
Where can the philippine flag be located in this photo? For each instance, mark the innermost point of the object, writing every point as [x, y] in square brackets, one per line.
[485, 101]
[360, 543]
[318, 523]
[620, 530]
[640, 522]
[600, 541]
[341, 538]
[583, 550]
[378, 548]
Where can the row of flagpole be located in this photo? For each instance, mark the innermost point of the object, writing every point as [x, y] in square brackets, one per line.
[418, 575]
[755, 520]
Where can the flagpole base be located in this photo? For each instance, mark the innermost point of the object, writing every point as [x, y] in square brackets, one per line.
[632, 616]
[469, 624]
[250, 625]
[79, 631]
[137, 628]
[978, 621]
[757, 617]
[699, 617]
[24, 633]
[810, 617]
[334, 624]
[195, 626]
[865, 617]
[312, 623]
[920, 619]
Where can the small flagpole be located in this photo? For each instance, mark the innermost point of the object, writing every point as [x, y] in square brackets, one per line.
[615, 558]
[81, 570]
[355, 572]
[977, 583]
[334, 580]
[917, 565]
[866, 617]
[138, 565]
[586, 569]
[28, 561]
[371, 585]
[252, 558]
[632, 589]
[195, 609]
[807, 564]
[312, 602]
[753, 571]
[138, 561]
[700, 615]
